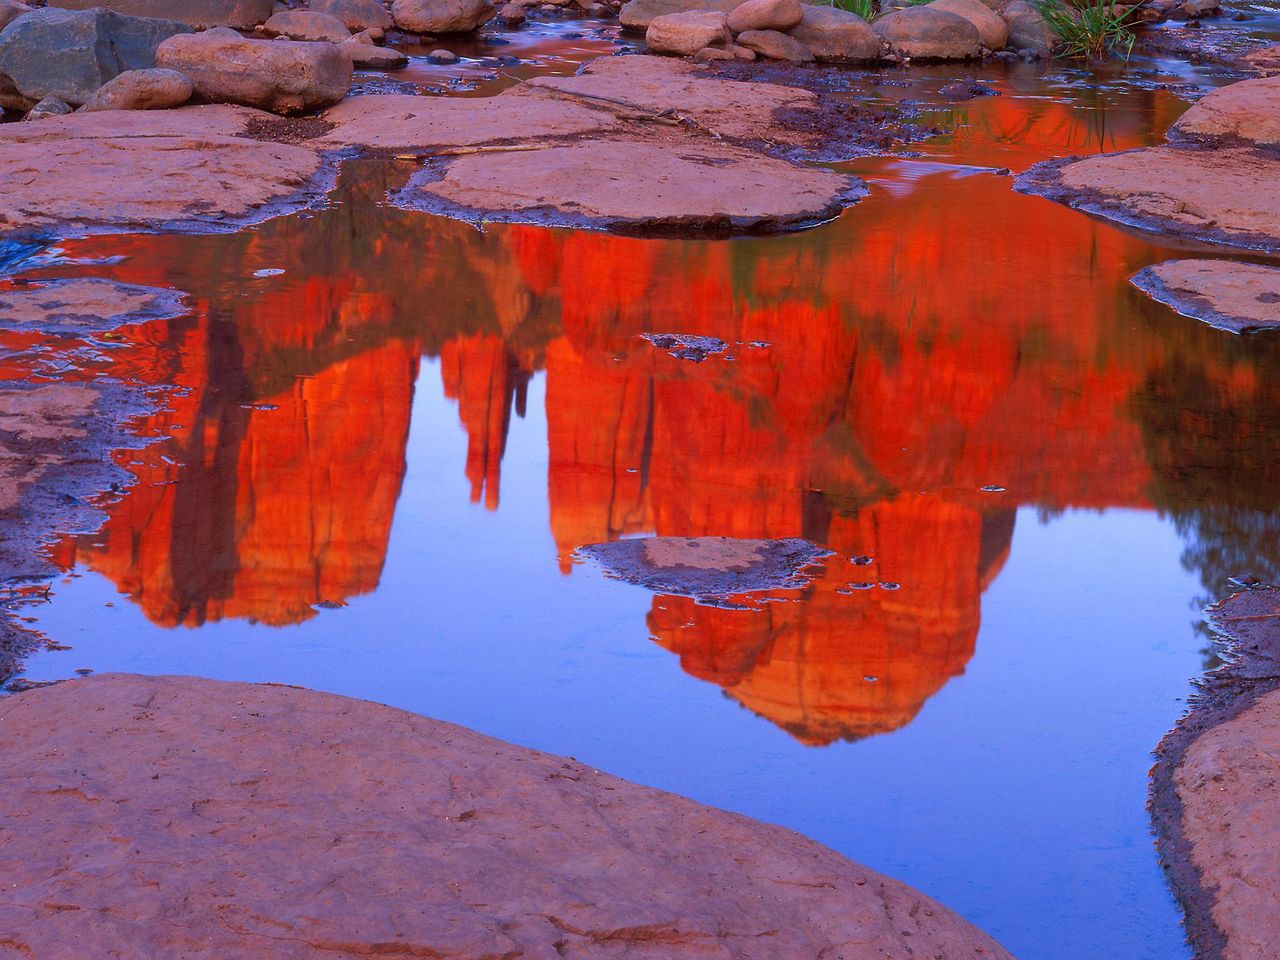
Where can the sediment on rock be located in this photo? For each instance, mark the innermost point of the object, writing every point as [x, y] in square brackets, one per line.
[1213, 797]
[352, 829]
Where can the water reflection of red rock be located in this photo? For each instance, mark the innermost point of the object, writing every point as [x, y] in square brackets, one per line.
[917, 351]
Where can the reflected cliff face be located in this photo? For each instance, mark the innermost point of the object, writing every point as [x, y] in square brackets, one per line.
[943, 337]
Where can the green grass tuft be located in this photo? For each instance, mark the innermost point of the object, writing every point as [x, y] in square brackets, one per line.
[1093, 31]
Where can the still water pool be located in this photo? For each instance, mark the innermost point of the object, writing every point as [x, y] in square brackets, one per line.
[389, 432]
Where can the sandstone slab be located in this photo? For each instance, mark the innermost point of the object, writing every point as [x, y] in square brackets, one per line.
[1264, 60]
[1230, 295]
[155, 89]
[168, 817]
[638, 186]
[684, 34]
[402, 121]
[285, 78]
[925, 33]
[1229, 196]
[85, 305]
[240, 14]
[736, 109]
[92, 47]
[1247, 111]
[65, 173]
[830, 33]
[1214, 797]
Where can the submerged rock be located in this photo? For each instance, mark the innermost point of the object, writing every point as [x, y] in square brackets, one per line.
[352, 829]
[241, 14]
[926, 33]
[635, 187]
[687, 346]
[86, 304]
[1241, 297]
[92, 47]
[830, 33]
[283, 78]
[707, 566]
[368, 56]
[155, 89]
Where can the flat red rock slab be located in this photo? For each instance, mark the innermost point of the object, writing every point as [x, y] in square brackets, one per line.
[634, 186]
[1228, 195]
[85, 304]
[1214, 798]
[1228, 294]
[170, 817]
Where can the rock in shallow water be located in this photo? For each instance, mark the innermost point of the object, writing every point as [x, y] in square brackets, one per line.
[1249, 111]
[636, 187]
[707, 566]
[85, 304]
[202, 819]
[1241, 297]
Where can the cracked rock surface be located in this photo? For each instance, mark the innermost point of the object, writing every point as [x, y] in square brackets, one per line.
[172, 817]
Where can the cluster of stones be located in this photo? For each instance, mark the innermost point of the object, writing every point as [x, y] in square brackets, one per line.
[797, 32]
[146, 54]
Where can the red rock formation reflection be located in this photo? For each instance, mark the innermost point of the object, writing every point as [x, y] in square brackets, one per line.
[945, 335]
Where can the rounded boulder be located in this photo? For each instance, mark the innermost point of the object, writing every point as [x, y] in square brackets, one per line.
[834, 34]
[990, 25]
[765, 15]
[684, 34]
[155, 89]
[441, 16]
[923, 33]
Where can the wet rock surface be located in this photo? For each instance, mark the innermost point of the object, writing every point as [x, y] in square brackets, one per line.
[188, 169]
[1214, 798]
[1229, 196]
[84, 304]
[634, 186]
[308, 823]
[706, 567]
[1241, 297]
[687, 346]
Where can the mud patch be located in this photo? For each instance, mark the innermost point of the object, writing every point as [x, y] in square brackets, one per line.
[707, 568]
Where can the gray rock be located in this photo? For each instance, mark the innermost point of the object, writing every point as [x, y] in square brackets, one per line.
[765, 15]
[638, 14]
[684, 34]
[92, 47]
[834, 34]
[774, 45]
[155, 89]
[50, 106]
[441, 16]
[928, 34]
[1028, 30]
[291, 77]
[356, 14]
[243, 14]
[307, 25]
[11, 10]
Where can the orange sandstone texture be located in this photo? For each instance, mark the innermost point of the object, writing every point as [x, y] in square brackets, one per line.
[307, 823]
